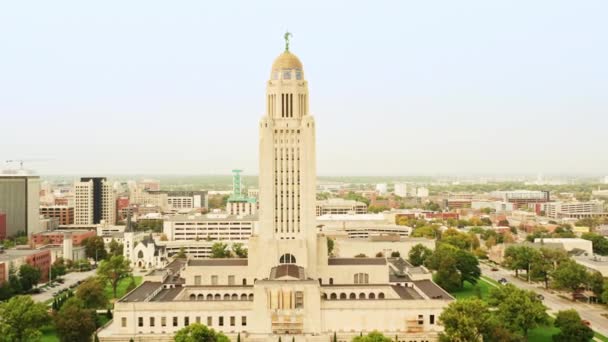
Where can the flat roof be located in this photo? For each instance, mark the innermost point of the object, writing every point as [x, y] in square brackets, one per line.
[142, 291]
[10, 254]
[432, 290]
[356, 261]
[211, 217]
[218, 262]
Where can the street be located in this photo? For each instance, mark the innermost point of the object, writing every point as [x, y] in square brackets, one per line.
[69, 279]
[590, 312]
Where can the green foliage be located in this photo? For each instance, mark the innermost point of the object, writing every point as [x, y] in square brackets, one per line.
[373, 336]
[453, 266]
[419, 254]
[544, 263]
[92, 294]
[466, 320]
[360, 255]
[520, 258]
[459, 239]
[155, 225]
[432, 206]
[395, 254]
[58, 268]
[427, 231]
[116, 248]
[74, 322]
[182, 253]
[569, 275]
[571, 327]
[199, 333]
[595, 283]
[239, 250]
[351, 195]
[330, 246]
[377, 209]
[28, 276]
[95, 248]
[113, 270]
[21, 318]
[468, 267]
[600, 243]
[220, 250]
[516, 309]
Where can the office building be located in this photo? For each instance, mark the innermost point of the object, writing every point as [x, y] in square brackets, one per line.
[337, 206]
[19, 201]
[95, 201]
[63, 213]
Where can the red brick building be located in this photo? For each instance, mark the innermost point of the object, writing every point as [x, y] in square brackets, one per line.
[63, 213]
[61, 201]
[39, 258]
[42, 261]
[56, 237]
[121, 203]
[3, 272]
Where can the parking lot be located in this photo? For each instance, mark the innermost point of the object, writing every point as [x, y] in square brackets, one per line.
[70, 280]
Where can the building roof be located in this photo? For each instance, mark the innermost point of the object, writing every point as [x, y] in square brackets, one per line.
[218, 262]
[356, 261]
[286, 60]
[405, 292]
[432, 290]
[211, 217]
[142, 292]
[287, 270]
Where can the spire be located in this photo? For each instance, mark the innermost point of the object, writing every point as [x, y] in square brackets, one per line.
[286, 36]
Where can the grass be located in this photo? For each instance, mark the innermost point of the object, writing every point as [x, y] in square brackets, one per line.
[121, 289]
[468, 290]
[49, 334]
[601, 337]
[542, 334]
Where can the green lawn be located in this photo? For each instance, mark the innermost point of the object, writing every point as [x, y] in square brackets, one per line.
[542, 334]
[49, 334]
[121, 289]
[601, 337]
[468, 291]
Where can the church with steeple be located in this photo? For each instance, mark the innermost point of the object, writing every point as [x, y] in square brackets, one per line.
[288, 286]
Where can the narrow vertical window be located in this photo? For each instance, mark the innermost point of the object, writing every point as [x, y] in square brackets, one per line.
[282, 105]
[291, 105]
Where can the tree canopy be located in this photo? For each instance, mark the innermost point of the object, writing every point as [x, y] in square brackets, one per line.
[517, 309]
[419, 254]
[466, 320]
[373, 336]
[92, 294]
[74, 322]
[114, 269]
[571, 327]
[199, 333]
[21, 319]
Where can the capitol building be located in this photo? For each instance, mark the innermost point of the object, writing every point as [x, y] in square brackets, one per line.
[288, 287]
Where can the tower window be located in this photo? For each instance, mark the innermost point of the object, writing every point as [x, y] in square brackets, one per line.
[287, 259]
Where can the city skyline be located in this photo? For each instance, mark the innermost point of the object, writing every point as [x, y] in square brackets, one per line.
[481, 88]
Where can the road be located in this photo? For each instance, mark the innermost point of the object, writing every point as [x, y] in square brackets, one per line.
[590, 312]
[69, 279]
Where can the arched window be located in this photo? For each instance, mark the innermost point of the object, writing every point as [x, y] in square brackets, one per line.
[372, 296]
[287, 259]
[251, 296]
[140, 254]
[235, 296]
[324, 296]
[352, 296]
[200, 297]
[331, 281]
[381, 295]
[342, 295]
[320, 281]
[193, 297]
[333, 296]
[244, 296]
[244, 281]
[218, 296]
[210, 297]
[226, 297]
[361, 295]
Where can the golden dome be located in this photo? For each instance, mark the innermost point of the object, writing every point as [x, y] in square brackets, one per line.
[287, 60]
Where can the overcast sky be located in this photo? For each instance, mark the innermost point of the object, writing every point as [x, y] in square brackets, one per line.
[396, 87]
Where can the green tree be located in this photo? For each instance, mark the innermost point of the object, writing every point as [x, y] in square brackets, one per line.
[516, 309]
[114, 269]
[330, 245]
[239, 250]
[520, 258]
[28, 276]
[466, 320]
[459, 239]
[21, 319]
[95, 248]
[92, 294]
[13, 280]
[199, 333]
[6, 291]
[571, 327]
[181, 254]
[569, 275]
[74, 322]
[419, 254]
[373, 336]
[116, 248]
[444, 260]
[468, 267]
[599, 242]
[220, 250]
[545, 262]
[58, 268]
[595, 283]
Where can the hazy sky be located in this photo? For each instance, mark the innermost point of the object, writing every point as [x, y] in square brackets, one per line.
[396, 87]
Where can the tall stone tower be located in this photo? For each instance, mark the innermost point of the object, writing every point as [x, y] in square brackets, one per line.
[287, 164]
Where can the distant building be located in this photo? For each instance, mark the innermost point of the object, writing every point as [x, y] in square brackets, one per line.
[2, 226]
[577, 210]
[422, 192]
[209, 227]
[521, 198]
[64, 214]
[338, 206]
[19, 201]
[38, 258]
[382, 188]
[401, 189]
[497, 206]
[237, 203]
[95, 201]
[56, 237]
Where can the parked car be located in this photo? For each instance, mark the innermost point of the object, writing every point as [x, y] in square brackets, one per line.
[540, 296]
[503, 281]
[494, 269]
